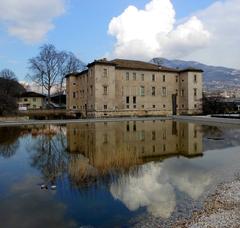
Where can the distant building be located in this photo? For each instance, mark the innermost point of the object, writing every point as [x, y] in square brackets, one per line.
[31, 100]
[133, 88]
[59, 99]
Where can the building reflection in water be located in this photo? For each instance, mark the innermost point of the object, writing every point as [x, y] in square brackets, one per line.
[98, 148]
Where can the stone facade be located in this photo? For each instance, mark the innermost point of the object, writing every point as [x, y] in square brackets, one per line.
[133, 88]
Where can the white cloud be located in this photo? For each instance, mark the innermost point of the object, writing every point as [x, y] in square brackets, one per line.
[30, 20]
[210, 36]
[188, 178]
[222, 20]
[150, 189]
[153, 32]
[155, 185]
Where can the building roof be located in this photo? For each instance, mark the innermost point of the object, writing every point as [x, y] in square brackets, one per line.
[134, 65]
[191, 69]
[76, 73]
[32, 94]
[101, 62]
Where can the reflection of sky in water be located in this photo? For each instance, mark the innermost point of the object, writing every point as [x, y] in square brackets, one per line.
[112, 199]
[150, 188]
[27, 206]
[153, 187]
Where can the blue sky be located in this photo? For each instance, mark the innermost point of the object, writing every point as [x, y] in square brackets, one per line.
[83, 29]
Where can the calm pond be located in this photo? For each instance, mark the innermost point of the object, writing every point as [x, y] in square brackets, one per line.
[110, 174]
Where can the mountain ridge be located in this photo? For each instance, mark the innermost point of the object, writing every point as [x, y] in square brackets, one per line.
[215, 77]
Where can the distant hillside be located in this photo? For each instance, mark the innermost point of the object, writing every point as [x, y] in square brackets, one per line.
[214, 77]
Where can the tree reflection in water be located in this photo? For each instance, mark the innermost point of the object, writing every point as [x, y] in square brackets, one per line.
[9, 141]
[49, 154]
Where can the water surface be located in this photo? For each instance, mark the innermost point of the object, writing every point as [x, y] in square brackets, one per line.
[110, 174]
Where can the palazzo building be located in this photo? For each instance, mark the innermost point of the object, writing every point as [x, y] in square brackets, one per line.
[133, 88]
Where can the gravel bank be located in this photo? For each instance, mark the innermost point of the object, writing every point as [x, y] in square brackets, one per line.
[221, 209]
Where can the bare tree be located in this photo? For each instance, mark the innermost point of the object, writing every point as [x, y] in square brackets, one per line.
[8, 74]
[50, 67]
[46, 68]
[71, 65]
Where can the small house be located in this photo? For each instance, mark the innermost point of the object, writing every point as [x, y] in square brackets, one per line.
[31, 100]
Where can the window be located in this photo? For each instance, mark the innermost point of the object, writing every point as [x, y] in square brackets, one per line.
[127, 100]
[105, 90]
[164, 106]
[134, 76]
[142, 135]
[195, 147]
[177, 92]
[182, 105]
[164, 78]
[142, 77]
[142, 91]
[154, 106]
[195, 106]
[134, 126]
[134, 100]
[105, 138]
[153, 77]
[195, 92]
[105, 107]
[74, 107]
[105, 73]
[164, 147]
[195, 133]
[142, 106]
[164, 134]
[153, 135]
[74, 94]
[176, 78]
[153, 91]
[195, 78]
[153, 148]
[25, 99]
[128, 128]
[182, 92]
[127, 106]
[91, 90]
[127, 76]
[182, 133]
[74, 83]
[134, 106]
[164, 91]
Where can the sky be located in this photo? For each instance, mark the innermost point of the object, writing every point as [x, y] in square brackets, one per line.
[206, 31]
